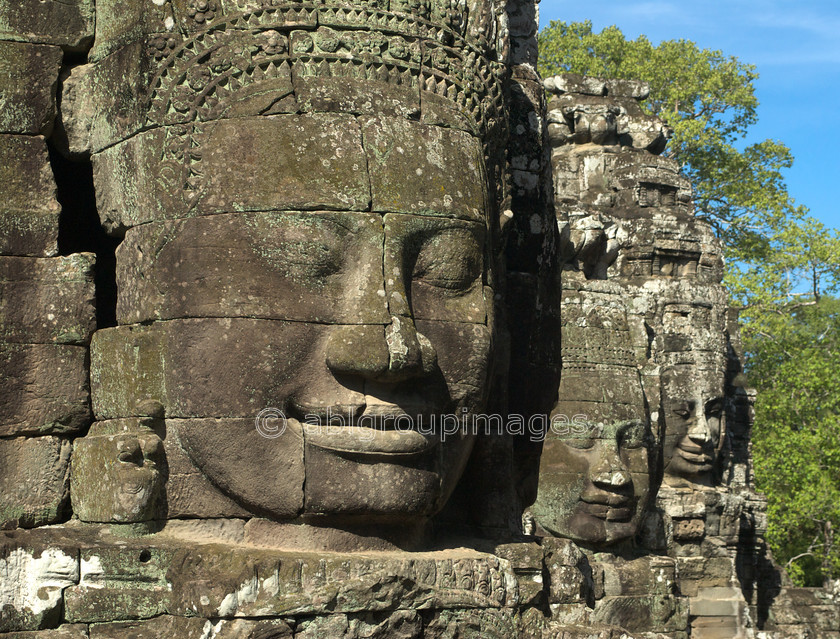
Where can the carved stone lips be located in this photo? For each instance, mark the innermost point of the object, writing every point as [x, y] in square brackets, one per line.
[608, 506]
[694, 454]
[355, 430]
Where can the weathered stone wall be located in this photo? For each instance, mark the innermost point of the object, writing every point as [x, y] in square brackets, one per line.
[46, 299]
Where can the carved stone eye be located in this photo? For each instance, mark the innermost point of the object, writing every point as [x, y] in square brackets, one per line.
[449, 260]
[580, 443]
[682, 410]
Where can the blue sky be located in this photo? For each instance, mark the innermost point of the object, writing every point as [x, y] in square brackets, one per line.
[795, 46]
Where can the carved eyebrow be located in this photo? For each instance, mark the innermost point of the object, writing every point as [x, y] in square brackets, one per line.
[623, 427]
[716, 402]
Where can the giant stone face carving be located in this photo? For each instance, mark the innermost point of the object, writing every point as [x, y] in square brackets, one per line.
[693, 401]
[595, 481]
[598, 457]
[308, 232]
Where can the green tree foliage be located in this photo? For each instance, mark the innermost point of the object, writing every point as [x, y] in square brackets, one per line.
[795, 357]
[790, 324]
[783, 269]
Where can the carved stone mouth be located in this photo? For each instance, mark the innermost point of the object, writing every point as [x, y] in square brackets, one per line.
[370, 441]
[700, 458]
[607, 512]
[608, 506]
[353, 430]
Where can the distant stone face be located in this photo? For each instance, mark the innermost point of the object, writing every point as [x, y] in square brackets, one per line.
[599, 457]
[642, 326]
[595, 481]
[694, 414]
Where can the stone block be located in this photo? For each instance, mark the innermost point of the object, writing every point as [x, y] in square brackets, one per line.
[356, 96]
[119, 23]
[276, 163]
[119, 584]
[29, 211]
[403, 624]
[422, 169]
[308, 261]
[33, 577]
[437, 110]
[704, 572]
[122, 23]
[34, 481]
[718, 628]
[446, 281]
[526, 559]
[118, 476]
[28, 79]
[689, 529]
[68, 24]
[628, 89]
[340, 484]
[66, 631]
[159, 627]
[570, 576]
[638, 577]
[526, 147]
[147, 577]
[644, 132]
[47, 301]
[574, 83]
[683, 504]
[701, 606]
[185, 367]
[791, 632]
[105, 102]
[651, 613]
[229, 450]
[44, 389]
[154, 80]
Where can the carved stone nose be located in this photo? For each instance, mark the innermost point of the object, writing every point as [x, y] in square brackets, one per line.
[613, 478]
[411, 353]
[390, 353]
[699, 431]
[358, 350]
[609, 470]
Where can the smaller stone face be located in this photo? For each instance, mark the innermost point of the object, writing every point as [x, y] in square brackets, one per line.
[116, 477]
[594, 483]
[595, 471]
[693, 404]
